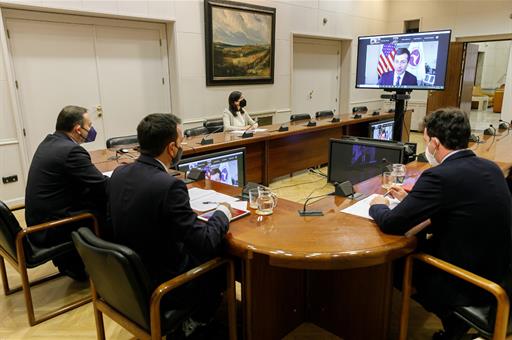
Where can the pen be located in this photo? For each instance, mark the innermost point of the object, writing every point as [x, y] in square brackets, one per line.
[208, 202]
[387, 193]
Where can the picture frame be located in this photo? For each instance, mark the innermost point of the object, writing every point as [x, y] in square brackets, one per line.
[239, 43]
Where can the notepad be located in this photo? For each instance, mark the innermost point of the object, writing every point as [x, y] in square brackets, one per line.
[362, 208]
[235, 214]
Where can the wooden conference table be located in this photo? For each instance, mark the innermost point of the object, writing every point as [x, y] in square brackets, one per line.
[334, 270]
[271, 154]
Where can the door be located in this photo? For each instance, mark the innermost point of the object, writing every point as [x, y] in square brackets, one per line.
[55, 66]
[316, 65]
[450, 95]
[468, 76]
[132, 76]
[117, 69]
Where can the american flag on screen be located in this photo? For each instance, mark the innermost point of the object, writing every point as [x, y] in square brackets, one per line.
[386, 57]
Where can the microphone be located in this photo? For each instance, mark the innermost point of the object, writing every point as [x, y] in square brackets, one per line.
[303, 212]
[504, 125]
[248, 134]
[388, 165]
[490, 131]
[208, 141]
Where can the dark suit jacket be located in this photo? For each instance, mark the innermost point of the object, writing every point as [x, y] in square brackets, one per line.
[62, 182]
[387, 79]
[151, 214]
[468, 202]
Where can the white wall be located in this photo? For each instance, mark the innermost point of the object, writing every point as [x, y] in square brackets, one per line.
[495, 62]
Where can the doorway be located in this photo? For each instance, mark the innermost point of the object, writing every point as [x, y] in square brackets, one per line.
[116, 69]
[316, 75]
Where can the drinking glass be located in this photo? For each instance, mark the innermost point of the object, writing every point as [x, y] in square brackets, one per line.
[388, 179]
[253, 198]
[267, 201]
[399, 173]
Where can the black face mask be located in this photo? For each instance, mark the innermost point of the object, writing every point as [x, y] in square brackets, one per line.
[177, 158]
[243, 103]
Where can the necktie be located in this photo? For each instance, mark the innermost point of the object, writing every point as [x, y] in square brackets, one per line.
[397, 81]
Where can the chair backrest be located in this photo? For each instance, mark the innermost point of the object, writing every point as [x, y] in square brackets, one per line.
[118, 275]
[299, 116]
[200, 130]
[9, 228]
[326, 113]
[214, 124]
[125, 140]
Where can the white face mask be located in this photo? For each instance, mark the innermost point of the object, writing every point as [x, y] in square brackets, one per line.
[431, 156]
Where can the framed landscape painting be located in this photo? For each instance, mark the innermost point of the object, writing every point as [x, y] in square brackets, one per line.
[240, 43]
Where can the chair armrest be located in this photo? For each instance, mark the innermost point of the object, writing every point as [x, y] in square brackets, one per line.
[180, 280]
[57, 223]
[17, 207]
[503, 306]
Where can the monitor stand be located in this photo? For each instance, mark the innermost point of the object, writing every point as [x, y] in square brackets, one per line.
[399, 97]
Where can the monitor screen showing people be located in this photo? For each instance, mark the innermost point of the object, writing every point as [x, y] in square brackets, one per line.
[382, 130]
[357, 160]
[403, 61]
[227, 167]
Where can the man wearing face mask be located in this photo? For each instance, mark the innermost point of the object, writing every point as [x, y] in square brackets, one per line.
[151, 214]
[63, 182]
[469, 206]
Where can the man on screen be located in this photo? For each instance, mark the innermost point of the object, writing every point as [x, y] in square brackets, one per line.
[399, 77]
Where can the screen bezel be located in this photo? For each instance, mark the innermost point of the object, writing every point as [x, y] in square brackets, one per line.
[409, 87]
[217, 154]
[368, 142]
[372, 124]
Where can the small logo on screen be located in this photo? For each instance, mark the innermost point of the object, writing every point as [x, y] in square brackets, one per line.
[374, 41]
[415, 58]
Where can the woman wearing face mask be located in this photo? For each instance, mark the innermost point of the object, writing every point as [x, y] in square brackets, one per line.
[235, 117]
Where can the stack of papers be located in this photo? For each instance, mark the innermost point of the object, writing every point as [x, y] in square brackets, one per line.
[362, 208]
[204, 200]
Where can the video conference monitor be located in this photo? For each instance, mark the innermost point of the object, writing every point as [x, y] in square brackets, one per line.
[382, 130]
[356, 160]
[226, 167]
[409, 61]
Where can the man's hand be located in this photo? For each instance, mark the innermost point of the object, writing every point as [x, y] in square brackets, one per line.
[397, 192]
[379, 200]
[227, 205]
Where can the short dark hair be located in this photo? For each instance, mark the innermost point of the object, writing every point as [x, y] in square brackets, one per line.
[156, 131]
[233, 97]
[402, 50]
[450, 125]
[69, 116]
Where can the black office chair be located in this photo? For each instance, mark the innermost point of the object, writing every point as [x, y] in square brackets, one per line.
[121, 289]
[21, 254]
[299, 116]
[121, 141]
[201, 130]
[324, 114]
[491, 321]
[214, 125]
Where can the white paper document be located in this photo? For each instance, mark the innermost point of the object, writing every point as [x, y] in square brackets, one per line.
[204, 200]
[362, 208]
[239, 132]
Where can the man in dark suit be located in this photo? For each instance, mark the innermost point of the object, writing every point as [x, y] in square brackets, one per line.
[63, 182]
[468, 203]
[399, 77]
[151, 214]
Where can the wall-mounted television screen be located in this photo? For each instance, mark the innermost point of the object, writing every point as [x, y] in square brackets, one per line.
[410, 61]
